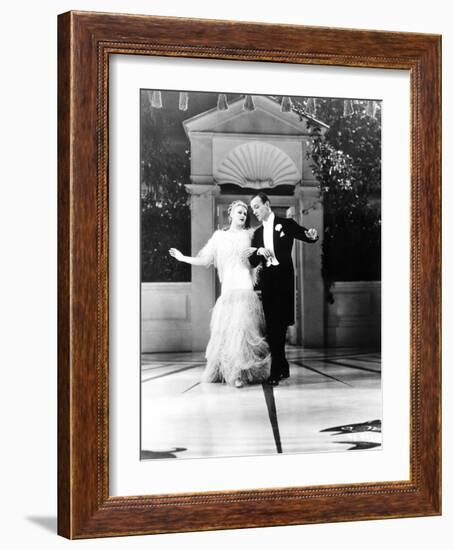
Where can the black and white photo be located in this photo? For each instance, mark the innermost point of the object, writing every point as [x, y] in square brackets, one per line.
[260, 266]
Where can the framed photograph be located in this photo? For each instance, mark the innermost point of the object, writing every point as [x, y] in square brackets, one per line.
[249, 275]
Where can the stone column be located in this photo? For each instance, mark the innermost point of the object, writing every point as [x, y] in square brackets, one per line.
[202, 300]
[311, 214]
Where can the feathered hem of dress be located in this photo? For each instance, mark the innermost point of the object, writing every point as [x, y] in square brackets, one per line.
[237, 349]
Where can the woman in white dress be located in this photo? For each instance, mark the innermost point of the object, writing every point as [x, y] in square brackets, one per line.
[237, 352]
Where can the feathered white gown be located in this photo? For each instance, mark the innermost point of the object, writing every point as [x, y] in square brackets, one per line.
[237, 349]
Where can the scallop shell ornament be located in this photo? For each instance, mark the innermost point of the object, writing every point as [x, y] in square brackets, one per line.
[257, 165]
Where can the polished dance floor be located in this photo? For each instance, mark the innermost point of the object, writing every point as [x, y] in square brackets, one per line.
[331, 402]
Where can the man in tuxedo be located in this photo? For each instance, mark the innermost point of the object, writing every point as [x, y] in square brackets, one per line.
[273, 241]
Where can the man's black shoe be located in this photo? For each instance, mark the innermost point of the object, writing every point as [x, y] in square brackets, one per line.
[272, 381]
[283, 376]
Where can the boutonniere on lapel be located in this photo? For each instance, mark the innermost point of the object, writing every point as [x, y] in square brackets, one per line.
[278, 227]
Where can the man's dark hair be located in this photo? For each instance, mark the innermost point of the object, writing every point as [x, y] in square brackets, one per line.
[264, 198]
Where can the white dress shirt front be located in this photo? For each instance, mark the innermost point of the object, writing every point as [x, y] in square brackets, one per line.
[268, 239]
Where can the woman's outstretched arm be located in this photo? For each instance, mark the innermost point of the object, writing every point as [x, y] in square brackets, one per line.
[188, 259]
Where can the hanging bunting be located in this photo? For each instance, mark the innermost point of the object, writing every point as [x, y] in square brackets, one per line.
[286, 105]
[348, 108]
[183, 101]
[248, 103]
[222, 104]
[156, 99]
[310, 107]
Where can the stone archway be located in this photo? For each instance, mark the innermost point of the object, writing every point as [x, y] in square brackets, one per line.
[261, 149]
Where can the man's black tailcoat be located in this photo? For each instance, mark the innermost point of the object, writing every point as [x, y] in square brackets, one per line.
[277, 286]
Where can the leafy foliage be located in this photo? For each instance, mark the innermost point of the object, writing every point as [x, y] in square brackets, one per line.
[165, 211]
[347, 163]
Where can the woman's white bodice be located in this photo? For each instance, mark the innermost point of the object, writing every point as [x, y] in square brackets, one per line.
[225, 250]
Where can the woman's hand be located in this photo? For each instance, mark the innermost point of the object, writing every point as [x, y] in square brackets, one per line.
[247, 252]
[177, 255]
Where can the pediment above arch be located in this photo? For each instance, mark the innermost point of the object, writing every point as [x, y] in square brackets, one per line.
[267, 118]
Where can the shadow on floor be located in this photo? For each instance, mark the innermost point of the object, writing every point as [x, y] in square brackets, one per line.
[359, 445]
[49, 523]
[368, 426]
[146, 455]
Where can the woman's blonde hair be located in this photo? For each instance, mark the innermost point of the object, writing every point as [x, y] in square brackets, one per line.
[236, 203]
